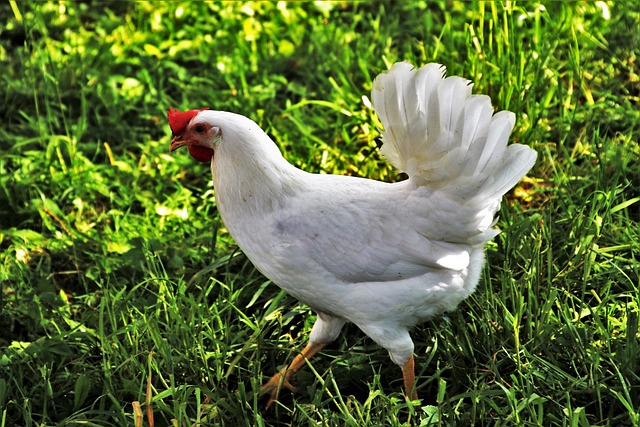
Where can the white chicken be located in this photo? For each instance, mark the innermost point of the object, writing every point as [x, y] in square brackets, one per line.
[384, 256]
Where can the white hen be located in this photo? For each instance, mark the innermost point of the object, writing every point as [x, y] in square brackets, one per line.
[383, 256]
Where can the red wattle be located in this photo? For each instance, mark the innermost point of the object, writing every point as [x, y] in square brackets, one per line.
[200, 153]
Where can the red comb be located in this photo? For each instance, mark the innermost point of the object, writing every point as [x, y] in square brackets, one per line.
[178, 121]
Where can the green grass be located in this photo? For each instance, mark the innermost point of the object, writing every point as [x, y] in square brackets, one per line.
[121, 285]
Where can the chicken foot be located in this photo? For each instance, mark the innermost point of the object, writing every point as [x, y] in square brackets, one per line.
[409, 376]
[281, 379]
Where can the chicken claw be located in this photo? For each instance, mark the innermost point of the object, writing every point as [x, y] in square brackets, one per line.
[281, 378]
[274, 385]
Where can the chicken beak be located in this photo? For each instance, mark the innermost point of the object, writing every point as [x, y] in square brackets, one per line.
[177, 142]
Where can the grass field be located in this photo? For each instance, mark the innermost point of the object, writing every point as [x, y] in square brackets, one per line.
[123, 296]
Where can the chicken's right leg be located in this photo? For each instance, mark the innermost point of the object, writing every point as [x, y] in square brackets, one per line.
[409, 376]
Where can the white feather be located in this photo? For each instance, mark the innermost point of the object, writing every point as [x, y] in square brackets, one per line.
[457, 146]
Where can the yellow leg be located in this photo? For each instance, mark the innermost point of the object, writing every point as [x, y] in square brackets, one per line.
[409, 379]
[281, 379]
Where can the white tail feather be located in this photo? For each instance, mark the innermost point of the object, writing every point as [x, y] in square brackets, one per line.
[441, 135]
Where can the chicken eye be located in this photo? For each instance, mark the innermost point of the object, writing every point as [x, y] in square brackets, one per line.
[199, 129]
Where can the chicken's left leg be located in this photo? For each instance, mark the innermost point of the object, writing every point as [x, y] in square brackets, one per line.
[281, 379]
[408, 373]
